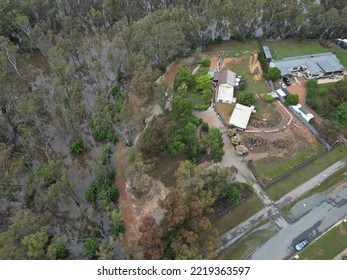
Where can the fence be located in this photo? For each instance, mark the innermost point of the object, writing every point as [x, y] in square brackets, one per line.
[307, 162]
[234, 52]
[251, 167]
[311, 128]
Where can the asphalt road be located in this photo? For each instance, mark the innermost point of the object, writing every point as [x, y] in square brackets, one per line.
[310, 226]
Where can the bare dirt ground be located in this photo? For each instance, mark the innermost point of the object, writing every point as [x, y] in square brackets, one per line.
[255, 67]
[127, 211]
[171, 73]
[300, 89]
[229, 60]
[277, 144]
[214, 60]
[147, 205]
[134, 209]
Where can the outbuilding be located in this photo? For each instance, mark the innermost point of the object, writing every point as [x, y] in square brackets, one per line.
[267, 53]
[240, 116]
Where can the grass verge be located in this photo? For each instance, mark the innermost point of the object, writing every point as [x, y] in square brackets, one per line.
[274, 167]
[327, 246]
[290, 182]
[243, 247]
[324, 186]
[240, 213]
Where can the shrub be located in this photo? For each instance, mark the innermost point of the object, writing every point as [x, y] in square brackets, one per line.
[205, 127]
[238, 37]
[100, 133]
[268, 98]
[206, 62]
[232, 195]
[206, 96]
[292, 99]
[184, 76]
[273, 74]
[246, 98]
[242, 84]
[203, 82]
[77, 146]
[90, 248]
[115, 90]
[263, 62]
[112, 137]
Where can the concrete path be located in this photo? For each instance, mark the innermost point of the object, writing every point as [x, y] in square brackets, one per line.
[311, 184]
[233, 235]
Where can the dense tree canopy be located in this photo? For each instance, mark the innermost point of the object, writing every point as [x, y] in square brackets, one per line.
[77, 76]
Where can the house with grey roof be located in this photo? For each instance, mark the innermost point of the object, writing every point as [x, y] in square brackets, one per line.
[267, 53]
[312, 66]
[226, 81]
[225, 77]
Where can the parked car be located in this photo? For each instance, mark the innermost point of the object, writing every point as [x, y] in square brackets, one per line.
[301, 245]
[282, 85]
[286, 81]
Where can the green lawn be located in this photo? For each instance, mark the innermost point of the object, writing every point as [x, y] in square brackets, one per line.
[328, 183]
[239, 214]
[249, 45]
[286, 48]
[242, 69]
[243, 247]
[271, 168]
[328, 246]
[279, 189]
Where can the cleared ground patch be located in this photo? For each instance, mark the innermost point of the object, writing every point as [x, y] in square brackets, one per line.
[290, 182]
[286, 150]
[225, 110]
[246, 245]
[241, 212]
[241, 66]
[328, 246]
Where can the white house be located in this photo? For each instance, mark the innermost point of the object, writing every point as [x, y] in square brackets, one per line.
[226, 81]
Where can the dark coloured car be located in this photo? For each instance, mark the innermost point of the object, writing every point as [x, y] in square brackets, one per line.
[286, 81]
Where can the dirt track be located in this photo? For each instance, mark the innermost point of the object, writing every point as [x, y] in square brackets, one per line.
[171, 73]
[254, 64]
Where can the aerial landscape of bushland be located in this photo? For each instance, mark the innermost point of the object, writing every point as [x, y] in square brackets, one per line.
[102, 155]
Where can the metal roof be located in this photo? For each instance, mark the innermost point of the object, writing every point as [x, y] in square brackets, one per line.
[225, 77]
[315, 63]
[241, 116]
[267, 52]
[225, 93]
